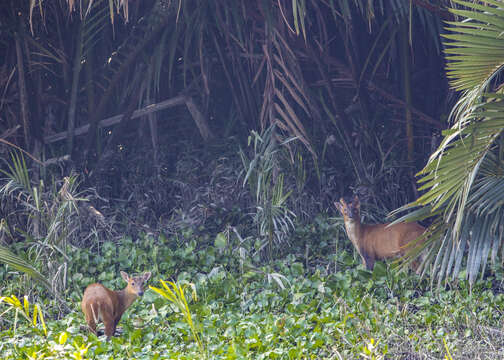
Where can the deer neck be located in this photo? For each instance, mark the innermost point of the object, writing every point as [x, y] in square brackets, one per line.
[354, 231]
[125, 299]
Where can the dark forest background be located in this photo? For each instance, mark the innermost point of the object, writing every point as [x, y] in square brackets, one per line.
[249, 119]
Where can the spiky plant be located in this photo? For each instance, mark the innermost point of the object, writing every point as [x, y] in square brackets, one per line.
[264, 177]
[44, 220]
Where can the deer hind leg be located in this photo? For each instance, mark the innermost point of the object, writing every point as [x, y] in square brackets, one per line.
[92, 318]
[368, 261]
[363, 260]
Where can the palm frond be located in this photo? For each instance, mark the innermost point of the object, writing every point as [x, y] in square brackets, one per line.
[464, 178]
[95, 22]
[474, 52]
[452, 169]
[9, 258]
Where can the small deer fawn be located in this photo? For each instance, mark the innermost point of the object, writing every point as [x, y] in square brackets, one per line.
[379, 241]
[100, 303]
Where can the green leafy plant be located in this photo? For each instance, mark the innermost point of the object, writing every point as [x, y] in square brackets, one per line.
[463, 181]
[293, 312]
[370, 350]
[45, 219]
[266, 183]
[175, 294]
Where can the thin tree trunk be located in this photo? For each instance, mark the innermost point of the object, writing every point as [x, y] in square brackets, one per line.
[90, 86]
[406, 75]
[23, 94]
[406, 69]
[33, 81]
[75, 87]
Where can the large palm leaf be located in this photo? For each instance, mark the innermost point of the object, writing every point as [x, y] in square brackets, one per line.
[463, 179]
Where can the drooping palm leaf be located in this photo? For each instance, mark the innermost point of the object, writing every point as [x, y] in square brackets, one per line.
[463, 178]
[9, 258]
[474, 53]
[477, 121]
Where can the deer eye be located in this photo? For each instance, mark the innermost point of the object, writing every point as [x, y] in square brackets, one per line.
[132, 284]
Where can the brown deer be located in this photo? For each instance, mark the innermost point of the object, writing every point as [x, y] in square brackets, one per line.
[102, 304]
[379, 241]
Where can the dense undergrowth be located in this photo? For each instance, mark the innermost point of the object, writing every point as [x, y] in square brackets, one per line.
[293, 308]
[259, 281]
[264, 277]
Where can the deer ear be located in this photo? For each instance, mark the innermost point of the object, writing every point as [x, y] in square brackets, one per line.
[356, 201]
[338, 206]
[147, 275]
[125, 276]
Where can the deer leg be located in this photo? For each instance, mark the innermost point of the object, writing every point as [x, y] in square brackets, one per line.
[368, 262]
[92, 326]
[91, 320]
[110, 324]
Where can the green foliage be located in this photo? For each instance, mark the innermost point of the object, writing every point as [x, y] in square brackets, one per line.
[300, 311]
[463, 180]
[18, 263]
[266, 183]
[175, 294]
[370, 350]
[44, 218]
